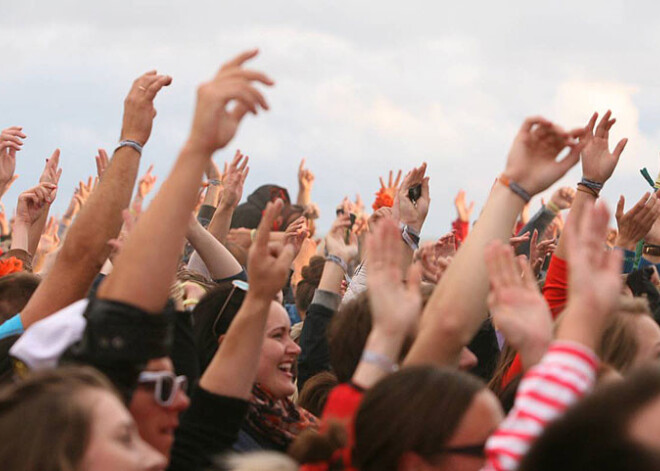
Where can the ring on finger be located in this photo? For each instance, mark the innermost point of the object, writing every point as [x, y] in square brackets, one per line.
[142, 88]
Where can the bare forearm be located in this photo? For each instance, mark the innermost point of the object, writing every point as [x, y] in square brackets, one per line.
[157, 239]
[218, 260]
[582, 199]
[212, 196]
[304, 196]
[331, 278]
[85, 248]
[20, 236]
[221, 222]
[458, 305]
[36, 230]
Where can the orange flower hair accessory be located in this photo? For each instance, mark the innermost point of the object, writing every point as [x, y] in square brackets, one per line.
[10, 265]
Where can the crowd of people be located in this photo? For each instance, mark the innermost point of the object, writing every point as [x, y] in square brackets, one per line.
[203, 333]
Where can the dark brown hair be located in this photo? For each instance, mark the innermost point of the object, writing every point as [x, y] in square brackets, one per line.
[414, 410]
[16, 290]
[315, 392]
[348, 332]
[44, 424]
[311, 277]
[595, 433]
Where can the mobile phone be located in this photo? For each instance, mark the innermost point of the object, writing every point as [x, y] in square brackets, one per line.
[415, 192]
[347, 237]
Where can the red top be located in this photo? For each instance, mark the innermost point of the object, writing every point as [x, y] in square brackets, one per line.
[555, 292]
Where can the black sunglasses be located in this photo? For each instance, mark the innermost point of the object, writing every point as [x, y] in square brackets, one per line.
[476, 451]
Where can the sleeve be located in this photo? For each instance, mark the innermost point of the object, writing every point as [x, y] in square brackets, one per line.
[555, 290]
[208, 428]
[315, 352]
[205, 214]
[461, 229]
[540, 221]
[358, 283]
[564, 375]
[629, 260]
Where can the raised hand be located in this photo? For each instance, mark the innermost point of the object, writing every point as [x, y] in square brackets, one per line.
[234, 180]
[392, 186]
[395, 306]
[139, 111]
[538, 251]
[215, 123]
[49, 239]
[563, 197]
[102, 162]
[637, 222]
[52, 172]
[515, 241]
[11, 141]
[594, 281]
[463, 210]
[31, 203]
[408, 212]
[335, 241]
[598, 163]
[446, 245]
[305, 177]
[268, 263]
[146, 183]
[296, 233]
[516, 304]
[431, 264]
[532, 160]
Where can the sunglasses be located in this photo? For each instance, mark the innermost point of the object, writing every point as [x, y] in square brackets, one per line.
[476, 451]
[236, 284]
[166, 385]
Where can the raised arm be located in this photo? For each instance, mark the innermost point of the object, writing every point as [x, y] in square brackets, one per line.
[234, 179]
[458, 304]
[11, 140]
[147, 264]
[305, 183]
[233, 369]
[85, 248]
[51, 174]
[568, 370]
[215, 256]
[598, 164]
[30, 207]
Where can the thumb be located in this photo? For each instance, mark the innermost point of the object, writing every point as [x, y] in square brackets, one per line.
[620, 206]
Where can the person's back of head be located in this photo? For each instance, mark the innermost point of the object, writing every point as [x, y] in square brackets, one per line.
[316, 391]
[601, 432]
[16, 290]
[311, 277]
[620, 343]
[348, 332]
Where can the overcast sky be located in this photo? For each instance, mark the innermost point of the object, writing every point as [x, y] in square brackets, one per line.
[362, 87]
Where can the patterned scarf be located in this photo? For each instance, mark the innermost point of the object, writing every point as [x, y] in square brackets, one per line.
[276, 420]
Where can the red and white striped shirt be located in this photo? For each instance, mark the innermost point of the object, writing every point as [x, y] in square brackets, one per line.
[565, 374]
